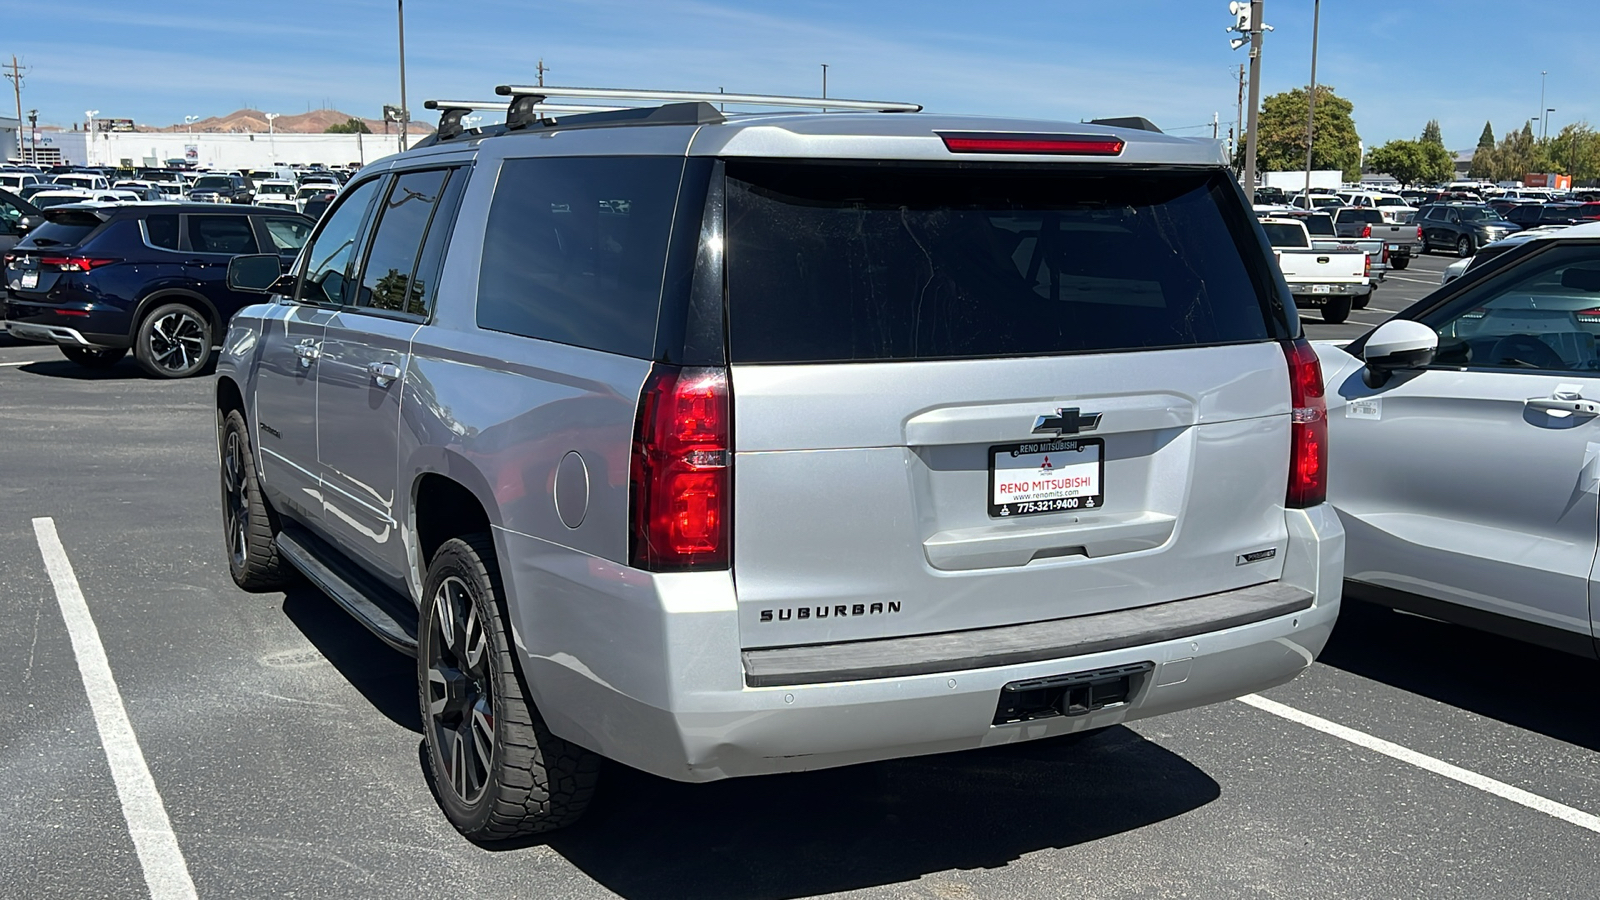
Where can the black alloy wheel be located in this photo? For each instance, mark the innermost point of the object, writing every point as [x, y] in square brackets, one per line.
[460, 691]
[248, 524]
[497, 770]
[174, 341]
[94, 357]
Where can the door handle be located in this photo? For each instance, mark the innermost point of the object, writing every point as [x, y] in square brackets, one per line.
[1565, 404]
[308, 350]
[383, 374]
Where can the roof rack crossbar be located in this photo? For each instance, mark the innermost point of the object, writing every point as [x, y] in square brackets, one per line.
[501, 105]
[510, 90]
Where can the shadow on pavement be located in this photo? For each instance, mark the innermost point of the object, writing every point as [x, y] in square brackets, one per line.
[386, 678]
[884, 823]
[1520, 684]
[127, 369]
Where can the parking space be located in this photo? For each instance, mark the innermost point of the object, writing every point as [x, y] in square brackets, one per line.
[1398, 291]
[284, 740]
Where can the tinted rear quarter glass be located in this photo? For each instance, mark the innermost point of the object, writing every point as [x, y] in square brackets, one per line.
[575, 250]
[63, 230]
[162, 231]
[862, 262]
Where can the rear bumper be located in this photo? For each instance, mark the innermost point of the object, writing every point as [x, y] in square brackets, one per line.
[648, 669]
[44, 323]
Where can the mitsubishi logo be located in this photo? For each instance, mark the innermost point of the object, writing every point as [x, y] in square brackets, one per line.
[1066, 421]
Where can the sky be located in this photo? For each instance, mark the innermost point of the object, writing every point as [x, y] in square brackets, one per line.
[1400, 63]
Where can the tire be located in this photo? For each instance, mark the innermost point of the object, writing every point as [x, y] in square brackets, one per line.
[1464, 247]
[526, 781]
[1337, 310]
[94, 357]
[248, 523]
[173, 341]
[1360, 301]
[1400, 263]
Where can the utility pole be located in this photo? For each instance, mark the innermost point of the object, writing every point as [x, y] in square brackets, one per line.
[1251, 30]
[272, 139]
[824, 84]
[405, 114]
[1214, 124]
[541, 69]
[16, 83]
[1311, 98]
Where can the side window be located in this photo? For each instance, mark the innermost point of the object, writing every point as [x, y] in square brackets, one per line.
[1540, 314]
[221, 234]
[286, 235]
[331, 252]
[387, 279]
[430, 262]
[575, 249]
[162, 231]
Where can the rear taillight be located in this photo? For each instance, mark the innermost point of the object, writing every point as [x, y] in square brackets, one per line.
[1308, 428]
[1419, 234]
[1366, 230]
[680, 493]
[74, 263]
[1589, 316]
[1366, 266]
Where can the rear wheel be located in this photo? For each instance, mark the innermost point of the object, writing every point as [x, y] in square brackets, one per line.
[173, 341]
[1360, 301]
[498, 771]
[1400, 262]
[1337, 310]
[1464, 247]
[94, 357]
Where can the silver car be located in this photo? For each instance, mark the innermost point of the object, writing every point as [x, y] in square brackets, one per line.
[1466, 447]
[722, 445]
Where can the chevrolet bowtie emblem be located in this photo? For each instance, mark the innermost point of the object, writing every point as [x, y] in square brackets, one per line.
[1066, 421]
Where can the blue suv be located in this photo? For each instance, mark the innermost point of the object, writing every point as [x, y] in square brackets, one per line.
[98, 281]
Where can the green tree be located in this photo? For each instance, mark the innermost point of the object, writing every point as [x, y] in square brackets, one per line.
[349, 126]
[1517, 155]
[1483, 159]
[1432, 135]
[1281, 144]
[1575, 151]
[1402, 159]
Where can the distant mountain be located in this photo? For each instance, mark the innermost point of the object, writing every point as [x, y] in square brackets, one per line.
[254, 121]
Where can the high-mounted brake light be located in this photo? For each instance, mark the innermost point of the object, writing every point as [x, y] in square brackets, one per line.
[680, 493]
[1011, 142]
[74, 263]
[1308, 428]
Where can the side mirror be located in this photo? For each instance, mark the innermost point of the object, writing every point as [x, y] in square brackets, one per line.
[1397, 344]
[27, 224]
[259, 273]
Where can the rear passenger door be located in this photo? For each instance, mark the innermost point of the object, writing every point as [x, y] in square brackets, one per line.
[365, 354]
[212, 240]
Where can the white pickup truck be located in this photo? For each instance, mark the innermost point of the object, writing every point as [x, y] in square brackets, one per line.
[1333, 281]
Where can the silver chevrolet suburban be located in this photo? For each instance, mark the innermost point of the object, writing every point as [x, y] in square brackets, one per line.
[724, 444]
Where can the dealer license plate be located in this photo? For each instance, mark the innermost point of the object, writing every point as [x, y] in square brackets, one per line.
[1322, 289]
[30, 280]
[1046, 476]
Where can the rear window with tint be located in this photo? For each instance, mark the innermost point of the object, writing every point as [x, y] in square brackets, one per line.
[63, 230]
[575, 250]
[840, 263]
[1282, 235]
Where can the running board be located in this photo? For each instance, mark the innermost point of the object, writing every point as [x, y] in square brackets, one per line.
[384, 612]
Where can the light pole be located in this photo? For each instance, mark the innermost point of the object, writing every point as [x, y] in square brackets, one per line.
[1251, 30]
[405, 114]
[1311, 98]
[272, 140]
[88, 152]
[189, 121]
[33, 137]
[1542, 128]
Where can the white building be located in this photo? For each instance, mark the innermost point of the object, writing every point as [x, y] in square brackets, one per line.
[218, 151]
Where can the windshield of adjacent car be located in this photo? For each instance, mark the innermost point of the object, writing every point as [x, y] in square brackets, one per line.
[214, 181]
[1390, 201]
[1476, 214]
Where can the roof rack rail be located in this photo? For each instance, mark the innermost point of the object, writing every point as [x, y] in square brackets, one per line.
[542, 92]
[453, 112]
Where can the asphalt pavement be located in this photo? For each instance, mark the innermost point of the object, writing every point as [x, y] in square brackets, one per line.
[281, 740]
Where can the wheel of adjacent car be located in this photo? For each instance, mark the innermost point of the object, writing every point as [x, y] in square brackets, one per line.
[1400, 262]
[1337, 310]
[1464, 247]
[94, 357]
[248, 523]
[498, 772]
[1360, 301]
[173, 341]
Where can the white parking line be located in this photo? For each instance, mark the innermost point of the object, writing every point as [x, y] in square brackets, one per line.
[26, 362]
[165, 872]
[1433, 283]
[1422, 761]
